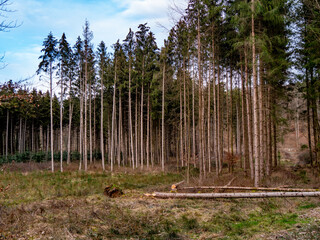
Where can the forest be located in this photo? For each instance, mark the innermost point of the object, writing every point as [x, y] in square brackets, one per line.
[226, 107]
[217, 91]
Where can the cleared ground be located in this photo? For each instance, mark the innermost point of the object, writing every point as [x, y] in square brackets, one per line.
[71, 205]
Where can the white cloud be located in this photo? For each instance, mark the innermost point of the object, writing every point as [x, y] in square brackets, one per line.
[109, 21]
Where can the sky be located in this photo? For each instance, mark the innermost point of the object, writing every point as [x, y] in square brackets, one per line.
[109, 20]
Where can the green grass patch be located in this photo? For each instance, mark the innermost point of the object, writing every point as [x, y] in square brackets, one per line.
[35, 186]
[305, 205]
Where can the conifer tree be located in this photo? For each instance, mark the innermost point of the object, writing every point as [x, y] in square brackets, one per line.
[47, 65]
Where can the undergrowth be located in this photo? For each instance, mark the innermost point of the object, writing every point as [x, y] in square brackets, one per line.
[44, 205]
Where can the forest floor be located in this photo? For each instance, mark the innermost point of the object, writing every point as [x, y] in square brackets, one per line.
[38, 204]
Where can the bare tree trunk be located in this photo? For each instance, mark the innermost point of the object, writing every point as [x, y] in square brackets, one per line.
[40, 138]
[308, 117]
[85, 135]
[249, 116]
[185, 110]
[61, 116]
[7, 133]
[231, 113]
[113, 135]
[130, 118]
[90, 122]
[51, 119]
[148, 128]
[119, 145]
[255, 103]
[219, 124]
[101, 125]
[81, 124]
[70, 128]
[193, 123]
[180, 125]
[136, 128]
[209, 126]
[246, 163]
[261, 121]
[234, 195]
[162, 118]
[94, 125]
[200, 101]
[141, 129]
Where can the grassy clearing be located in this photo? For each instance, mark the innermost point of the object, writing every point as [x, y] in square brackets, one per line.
[70, 205]
[37, 186]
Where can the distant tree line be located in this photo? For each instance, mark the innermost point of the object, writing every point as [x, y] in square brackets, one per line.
[216, 91]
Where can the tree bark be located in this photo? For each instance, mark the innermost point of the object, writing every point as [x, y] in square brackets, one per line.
[255, 103]
[61, 116]
[162, 118]
[233, 195]
[113, 136]
[101, 124]
[51, 119]
[130, 116]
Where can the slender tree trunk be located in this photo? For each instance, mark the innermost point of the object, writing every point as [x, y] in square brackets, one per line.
[308, 117]
[130, 117]
[90, 121]
[113, 135]
[119, 145]
[7, 133]
[85, 135]
[231, 113]
[148, 129]
[193, 123]
[255, 103]
[136, 128]
[215, 118]
[209, 126]
[40, 138]
[200, 101]
[246, 162]
[162, 118]
[81, 124]
[70, 126]
[94, 125]
[32, 137]
[180, 124]
[141, 117]
[101, 125]
[61, 116]
[261, 120]
[51, 118]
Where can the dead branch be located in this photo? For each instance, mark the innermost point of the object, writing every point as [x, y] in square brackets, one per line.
[229, 183]
[233, 195]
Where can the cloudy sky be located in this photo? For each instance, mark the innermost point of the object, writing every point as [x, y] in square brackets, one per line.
[109, 20]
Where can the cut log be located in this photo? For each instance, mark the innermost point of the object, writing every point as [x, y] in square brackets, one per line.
[248, 189]
[234, 195]
[176, 185]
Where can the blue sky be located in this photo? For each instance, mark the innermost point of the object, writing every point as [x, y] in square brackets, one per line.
[109, 20]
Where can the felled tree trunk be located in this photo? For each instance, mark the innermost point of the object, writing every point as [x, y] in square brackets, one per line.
[246, 188]
[233, 195]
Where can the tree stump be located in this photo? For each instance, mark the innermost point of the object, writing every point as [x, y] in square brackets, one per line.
[112, 191]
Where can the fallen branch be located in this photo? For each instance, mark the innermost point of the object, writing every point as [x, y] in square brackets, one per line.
[233, 195]
[229, 183]
[249, 189]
